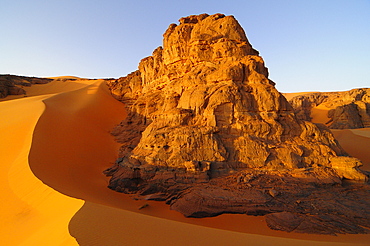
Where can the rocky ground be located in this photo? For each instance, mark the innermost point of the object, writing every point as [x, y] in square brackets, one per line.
[301, 201]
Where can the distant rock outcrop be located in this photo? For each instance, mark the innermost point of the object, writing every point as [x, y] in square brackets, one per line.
[208, 132]
[13, 84]
[348, 109]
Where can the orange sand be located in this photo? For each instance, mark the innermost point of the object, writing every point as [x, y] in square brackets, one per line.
[30, 211]
[356, 142]
[71, 146]
[64, 77]
[365, 132]
[54, 87]
[319, 114]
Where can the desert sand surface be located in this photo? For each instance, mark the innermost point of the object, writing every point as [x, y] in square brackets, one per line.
[58, 85]
[319, 114]
[365, 132]
[64, 77]
[356, 142]
[31, 212]
[61, 133]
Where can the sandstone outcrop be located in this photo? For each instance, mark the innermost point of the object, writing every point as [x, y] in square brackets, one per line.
[348, 109]
[13, 84]
[208, 132]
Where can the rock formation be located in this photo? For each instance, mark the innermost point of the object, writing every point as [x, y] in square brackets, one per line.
[348, 109]
[208, 132]
[13, 85]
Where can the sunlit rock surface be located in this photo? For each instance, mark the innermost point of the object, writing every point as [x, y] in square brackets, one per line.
[208, 132]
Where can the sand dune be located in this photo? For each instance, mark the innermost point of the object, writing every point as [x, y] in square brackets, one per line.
[365, 132]
[319, 114]
[54, 87]
[64, 77]
[31, 212]
[71, 146]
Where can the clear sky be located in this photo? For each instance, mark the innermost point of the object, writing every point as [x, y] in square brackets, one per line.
[308, 45]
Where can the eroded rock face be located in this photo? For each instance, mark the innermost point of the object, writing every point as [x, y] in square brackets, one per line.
[348, 109]
[203, 113]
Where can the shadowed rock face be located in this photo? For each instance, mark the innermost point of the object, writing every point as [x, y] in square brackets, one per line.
[208, 132]
[348, 109]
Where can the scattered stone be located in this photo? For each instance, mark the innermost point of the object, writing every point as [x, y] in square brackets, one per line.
[143, 206]
[273, 192]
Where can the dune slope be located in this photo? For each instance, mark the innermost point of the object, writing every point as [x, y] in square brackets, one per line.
[31, 212]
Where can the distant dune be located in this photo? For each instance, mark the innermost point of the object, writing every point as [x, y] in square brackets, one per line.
[67, 145]
[290, 95]
[64, 77]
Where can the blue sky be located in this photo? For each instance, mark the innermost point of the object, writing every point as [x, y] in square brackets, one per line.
[315, 45]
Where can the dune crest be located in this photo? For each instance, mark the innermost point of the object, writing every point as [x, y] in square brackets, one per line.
[31, 212]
